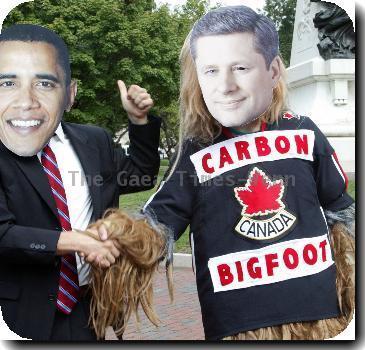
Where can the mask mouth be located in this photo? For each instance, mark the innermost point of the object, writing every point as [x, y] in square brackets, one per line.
[25, 123]
[231, 105]
[25, 126]
[230, 102]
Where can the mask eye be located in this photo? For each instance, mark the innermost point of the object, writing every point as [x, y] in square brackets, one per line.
[210, 71]
[7, 84]
[46, 84]
[239, 68]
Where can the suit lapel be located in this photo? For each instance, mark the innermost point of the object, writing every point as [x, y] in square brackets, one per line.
[33, 171]
[90, 160]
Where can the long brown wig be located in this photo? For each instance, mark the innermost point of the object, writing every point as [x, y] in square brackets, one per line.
[119, 290]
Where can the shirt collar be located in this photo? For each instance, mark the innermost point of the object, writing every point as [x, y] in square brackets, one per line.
[60, 133]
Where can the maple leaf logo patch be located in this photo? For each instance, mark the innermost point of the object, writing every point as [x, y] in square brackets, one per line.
[289, 116]
[263, 197]
[260, 196]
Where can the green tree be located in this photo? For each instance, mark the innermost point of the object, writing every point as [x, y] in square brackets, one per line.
[183, 17]
[282, 12]
[132, 40]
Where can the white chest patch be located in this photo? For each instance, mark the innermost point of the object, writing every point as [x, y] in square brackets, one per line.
[264, 217]
[275, 263]
[253, 148]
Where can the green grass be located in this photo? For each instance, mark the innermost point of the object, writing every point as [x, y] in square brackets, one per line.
[164, 162]
[351, 189]
[134, 202]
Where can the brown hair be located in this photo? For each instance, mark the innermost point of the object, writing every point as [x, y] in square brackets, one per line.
[118, 291]
[196, 122]
[195, 119]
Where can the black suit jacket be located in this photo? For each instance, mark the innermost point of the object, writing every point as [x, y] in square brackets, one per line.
[29, 226]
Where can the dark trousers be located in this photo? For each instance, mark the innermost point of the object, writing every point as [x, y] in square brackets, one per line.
[74, 327]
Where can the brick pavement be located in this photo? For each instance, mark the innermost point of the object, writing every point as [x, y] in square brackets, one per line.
[180, 320]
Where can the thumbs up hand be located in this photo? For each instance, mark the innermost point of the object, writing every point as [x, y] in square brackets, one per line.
[136, 101]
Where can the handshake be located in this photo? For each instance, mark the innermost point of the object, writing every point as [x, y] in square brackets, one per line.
[93, 245]
[104, 241]
[136, 248]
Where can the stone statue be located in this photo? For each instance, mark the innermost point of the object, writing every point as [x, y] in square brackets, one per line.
[335, 32]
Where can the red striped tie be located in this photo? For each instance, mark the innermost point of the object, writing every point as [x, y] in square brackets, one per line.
[68, 290]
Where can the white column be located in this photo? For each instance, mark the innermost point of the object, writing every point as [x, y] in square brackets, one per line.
[322, 90]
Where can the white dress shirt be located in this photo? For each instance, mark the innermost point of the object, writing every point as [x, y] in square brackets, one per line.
[76, 188]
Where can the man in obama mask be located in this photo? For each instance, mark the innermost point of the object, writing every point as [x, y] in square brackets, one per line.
[56, 178]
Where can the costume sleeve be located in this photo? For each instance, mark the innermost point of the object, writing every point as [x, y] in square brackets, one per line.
[25, 245]
[173, 203]
[138, 170]
[331, 180]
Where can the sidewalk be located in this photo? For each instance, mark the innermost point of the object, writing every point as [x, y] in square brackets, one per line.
[180, 320]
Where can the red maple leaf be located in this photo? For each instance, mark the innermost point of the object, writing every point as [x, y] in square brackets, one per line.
[260, 196]
[288, 116]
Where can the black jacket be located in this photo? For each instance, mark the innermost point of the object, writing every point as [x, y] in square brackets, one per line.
[259, 237]
[29, 226]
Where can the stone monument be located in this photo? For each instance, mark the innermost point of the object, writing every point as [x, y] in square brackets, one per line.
[321, 75]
